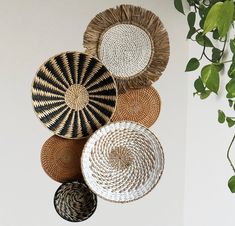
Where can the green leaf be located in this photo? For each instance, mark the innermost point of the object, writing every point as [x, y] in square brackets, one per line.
[221, 116]
[192, 65]
[216, 54]
[216, 34]
[230, 87]
[179, 6]
[219, 66]
[210, 77]
[212, 17]
[230, 102]
[231, 184]
[198, 84]
[191, 32]
[230, 122]
[202, 10]
[201, 22]
[205, 94]
[232, 45]
[191, 19]
[225, 18]
[203, 40]
[231, 71]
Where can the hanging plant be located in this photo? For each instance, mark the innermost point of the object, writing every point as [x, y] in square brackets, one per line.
[210, 23]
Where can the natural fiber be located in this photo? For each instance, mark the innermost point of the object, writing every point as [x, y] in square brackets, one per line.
[132, 42]
[61, 158]
[138, 105]
[74, 201]
[122, 161]
[74, 94]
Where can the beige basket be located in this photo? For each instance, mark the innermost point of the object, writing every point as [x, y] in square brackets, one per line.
[61, 158]
[138, 105]
[74, 94]
[122, 161]
[131, 42]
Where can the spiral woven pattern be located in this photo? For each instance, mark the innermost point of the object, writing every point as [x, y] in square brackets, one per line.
[132, 42]
[138, 105]
[74, 94]
[74, 201]
[125, 50]
[61, 158]
[122, 161]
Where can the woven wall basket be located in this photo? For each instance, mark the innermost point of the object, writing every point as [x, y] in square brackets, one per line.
[122, 161]
[61, 158]
[131, 42]
[138, 105]
[74, 201]
[74, 94]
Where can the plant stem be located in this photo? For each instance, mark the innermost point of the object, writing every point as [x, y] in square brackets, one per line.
[228, 153]
[222, 52]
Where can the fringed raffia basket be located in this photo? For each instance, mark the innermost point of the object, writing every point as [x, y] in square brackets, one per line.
[131, 42]
[122, 161]
[74, 201]
[74, 94]
[61, 158]
[138, 105]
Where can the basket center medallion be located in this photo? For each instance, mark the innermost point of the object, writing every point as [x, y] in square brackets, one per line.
[76, 97]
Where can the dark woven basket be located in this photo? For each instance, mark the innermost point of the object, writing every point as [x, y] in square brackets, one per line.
[61, 158]
[74, 201]
[74, 94]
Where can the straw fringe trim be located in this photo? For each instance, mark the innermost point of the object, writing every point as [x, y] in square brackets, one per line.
[129, 14]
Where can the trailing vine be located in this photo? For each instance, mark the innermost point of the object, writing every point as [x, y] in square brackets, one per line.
[210, 23]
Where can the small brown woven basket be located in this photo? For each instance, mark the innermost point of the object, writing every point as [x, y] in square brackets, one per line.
[74, 201]
[138, 105]
[131, 42]
[61, 158]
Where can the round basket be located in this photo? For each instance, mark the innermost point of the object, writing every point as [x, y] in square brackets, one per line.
[74, 201]
[61, 158]
[138, 105]
[122, 161]
[74, 94]
[131, 42]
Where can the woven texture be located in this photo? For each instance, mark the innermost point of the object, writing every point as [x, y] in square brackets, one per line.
[125, 50]
[132, 42]
[61, 158]
[122, 161]
[74, 201]
[138, 105]
[74, 94]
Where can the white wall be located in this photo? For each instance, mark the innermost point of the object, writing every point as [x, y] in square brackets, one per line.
[208, 200]
[31, 32]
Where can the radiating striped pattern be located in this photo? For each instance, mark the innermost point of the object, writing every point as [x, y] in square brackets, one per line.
[74, 201]
[75, 76]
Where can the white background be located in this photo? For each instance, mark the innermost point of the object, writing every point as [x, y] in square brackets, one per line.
[31, 32]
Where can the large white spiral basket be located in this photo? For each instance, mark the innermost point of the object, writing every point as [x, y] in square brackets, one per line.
[122, 161]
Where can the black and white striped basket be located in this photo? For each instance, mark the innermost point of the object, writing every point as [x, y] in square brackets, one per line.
[74, 94]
